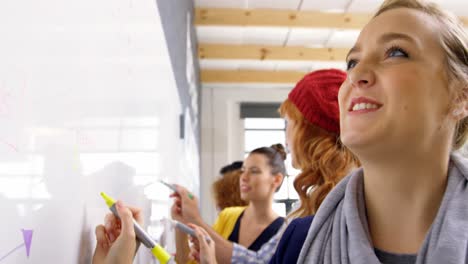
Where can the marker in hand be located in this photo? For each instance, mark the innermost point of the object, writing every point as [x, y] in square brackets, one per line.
[172, 187]
[186, 229]
[142, 236]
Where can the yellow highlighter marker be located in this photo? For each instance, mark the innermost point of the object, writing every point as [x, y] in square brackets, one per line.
[144, 238]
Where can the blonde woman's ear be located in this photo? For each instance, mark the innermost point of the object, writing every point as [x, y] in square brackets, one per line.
[457, 112]
[461, 111]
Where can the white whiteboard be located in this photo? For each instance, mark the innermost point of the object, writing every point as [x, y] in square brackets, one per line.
[88, 103]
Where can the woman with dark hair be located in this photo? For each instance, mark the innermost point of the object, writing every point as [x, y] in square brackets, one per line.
[263, 172]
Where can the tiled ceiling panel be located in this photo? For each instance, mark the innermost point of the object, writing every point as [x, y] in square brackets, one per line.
[274, 4]
[249, 85]
[317, 65]
[230, 35]
[265, 35]
[219, 64]
[364, 6]
[343, 38]
[219, 3]
[257, 65]
[336, 5]
[303, 66]
[308, 37]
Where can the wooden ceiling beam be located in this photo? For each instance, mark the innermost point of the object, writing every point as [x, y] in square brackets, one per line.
[265, 52]
[277, 18]
[282, 18]
[250, 76]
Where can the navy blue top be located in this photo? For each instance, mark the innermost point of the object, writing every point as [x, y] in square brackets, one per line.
[267, 233]
[292, 240]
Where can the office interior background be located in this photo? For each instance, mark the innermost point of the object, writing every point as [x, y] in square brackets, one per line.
[114, 95]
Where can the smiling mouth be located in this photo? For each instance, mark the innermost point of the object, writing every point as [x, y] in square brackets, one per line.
[244, 188]
[363, 104]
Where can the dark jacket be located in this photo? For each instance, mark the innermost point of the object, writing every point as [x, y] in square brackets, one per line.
[292, 240]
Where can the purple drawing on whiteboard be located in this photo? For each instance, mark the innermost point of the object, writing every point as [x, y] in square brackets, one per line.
[27, 238]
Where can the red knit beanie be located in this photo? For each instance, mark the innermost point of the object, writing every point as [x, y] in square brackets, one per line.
[316, 97]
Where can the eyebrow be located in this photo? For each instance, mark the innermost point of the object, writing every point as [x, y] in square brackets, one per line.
[352, 50]
[383, 39]
[394, 35]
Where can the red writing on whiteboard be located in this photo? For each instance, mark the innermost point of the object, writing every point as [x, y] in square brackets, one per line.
[83, 140]
[4, 99]
[9, 145]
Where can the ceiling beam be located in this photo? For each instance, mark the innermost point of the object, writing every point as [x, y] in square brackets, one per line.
[282, 18]
[265, 52]
[277, 18]
[250, 76]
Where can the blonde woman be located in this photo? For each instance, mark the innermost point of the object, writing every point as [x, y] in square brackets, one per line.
[403, 112]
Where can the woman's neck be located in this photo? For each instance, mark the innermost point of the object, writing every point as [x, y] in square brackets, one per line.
[402, 198]
[261, 211]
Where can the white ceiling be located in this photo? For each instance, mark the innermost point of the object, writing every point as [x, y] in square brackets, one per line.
[284, 36]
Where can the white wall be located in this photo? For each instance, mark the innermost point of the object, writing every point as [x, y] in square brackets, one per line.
[222, 132]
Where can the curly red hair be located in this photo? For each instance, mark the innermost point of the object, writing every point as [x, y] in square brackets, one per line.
[226, 190]
[323, 160]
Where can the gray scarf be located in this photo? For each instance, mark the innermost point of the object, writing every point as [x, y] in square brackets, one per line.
[339, 232]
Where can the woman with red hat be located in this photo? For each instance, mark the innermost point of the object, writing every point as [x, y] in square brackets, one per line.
[312, 135]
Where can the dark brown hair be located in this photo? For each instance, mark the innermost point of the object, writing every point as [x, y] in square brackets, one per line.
[276, 155]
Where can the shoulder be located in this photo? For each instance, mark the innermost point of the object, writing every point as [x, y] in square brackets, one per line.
[292, 240]
[298, 228]
[230, 211]
[302, 221]
[226, 220]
